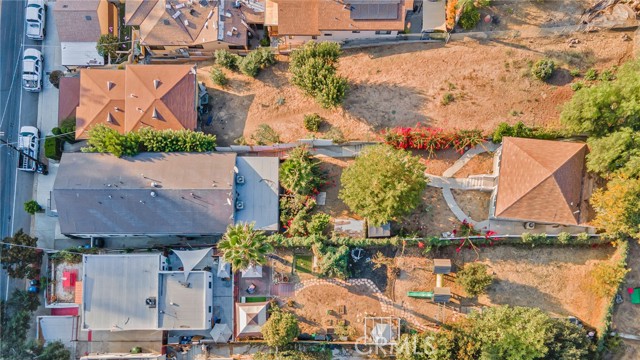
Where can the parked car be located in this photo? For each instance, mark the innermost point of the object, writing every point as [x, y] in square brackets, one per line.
[35, 19]
[28, 144]
[32, 63]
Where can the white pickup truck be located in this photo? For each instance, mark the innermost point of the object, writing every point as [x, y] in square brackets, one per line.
[35, 19]
[32, 63]
[28, 144]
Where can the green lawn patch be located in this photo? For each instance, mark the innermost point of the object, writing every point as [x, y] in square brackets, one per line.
[255, 299]
[303, 263]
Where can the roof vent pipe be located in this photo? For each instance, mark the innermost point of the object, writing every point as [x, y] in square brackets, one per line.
[156, 83]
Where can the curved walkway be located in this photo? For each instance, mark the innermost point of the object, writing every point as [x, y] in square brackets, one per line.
[474, 182]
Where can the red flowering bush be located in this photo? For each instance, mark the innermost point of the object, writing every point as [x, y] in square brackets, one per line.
[431, 139]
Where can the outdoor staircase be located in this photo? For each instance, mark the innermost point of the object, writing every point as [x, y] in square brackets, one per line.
[283, 290]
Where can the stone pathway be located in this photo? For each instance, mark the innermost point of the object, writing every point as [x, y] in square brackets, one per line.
[387, 305]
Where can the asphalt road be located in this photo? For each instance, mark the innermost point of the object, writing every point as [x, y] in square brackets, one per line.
[17, 108]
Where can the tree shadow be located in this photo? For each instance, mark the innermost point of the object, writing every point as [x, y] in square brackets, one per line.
[376, 52]
[504, 292]
[385, 105]
[560, 77]
[228, 115]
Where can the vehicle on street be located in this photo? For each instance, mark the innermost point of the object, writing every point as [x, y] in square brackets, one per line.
[35, 19]
[32, 64]
[28, 145]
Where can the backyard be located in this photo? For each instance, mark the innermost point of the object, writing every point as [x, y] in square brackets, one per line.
[489, 82]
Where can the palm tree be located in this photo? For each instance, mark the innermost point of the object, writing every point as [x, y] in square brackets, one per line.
[242, 246]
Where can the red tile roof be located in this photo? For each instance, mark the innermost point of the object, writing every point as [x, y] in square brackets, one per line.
[69, 98]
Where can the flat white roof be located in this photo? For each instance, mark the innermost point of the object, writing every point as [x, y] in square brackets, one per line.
[130, 292]
[54, 328]
[80, 54]
[258, 191]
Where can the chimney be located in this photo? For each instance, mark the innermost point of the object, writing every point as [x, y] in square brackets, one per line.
[156, 83]
[110, 85]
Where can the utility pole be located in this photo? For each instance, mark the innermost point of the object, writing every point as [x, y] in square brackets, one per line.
[40, 167]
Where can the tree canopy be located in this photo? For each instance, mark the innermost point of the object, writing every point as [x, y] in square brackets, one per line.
[606, 106]
[383, 184]
[617, 152]
[103, 139]
[474, 278]
[243, 246]
[108, 45]
[18, 259]
[503, 332]
[617, 211]
[281, 328]
[300, 172]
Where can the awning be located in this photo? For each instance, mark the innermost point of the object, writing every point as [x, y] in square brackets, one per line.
[221, 333]
[190, 258]
[253, 271]
[382, 334]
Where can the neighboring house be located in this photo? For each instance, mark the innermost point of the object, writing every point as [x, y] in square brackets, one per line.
[156, 96]
[295, 22]
[185, 28]
[164, 194]
[69, 98]
[250, 319]
[542, 181]
[139, 292]
[80, 24]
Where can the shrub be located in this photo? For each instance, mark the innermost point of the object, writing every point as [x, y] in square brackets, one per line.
[574, 72]
[431, 139]
[535, 239]
[265, 135]
[332, 260]
[336, 135]
[54, 78]
[108, 45]
[564, 238]
[607, 75]
[52, 148]
[300, 173]
[577, 86]
[218, 77]
[249, 65]
[266, 39]
[519, 129]
[295, 211]
[226, 59]
[447, 99]
[470, 16]
[312, 122]
[313, 69]
[591, 74]
[607, 278]
[319, 223]
[281, 328]
[68, 130]
[543, 69]
[32, 207]
[474, 278]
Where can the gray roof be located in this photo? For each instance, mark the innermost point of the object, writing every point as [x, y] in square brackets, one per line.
[115, 288]
[441, 266]
[149, 194]
[374, 9]
[258, 192]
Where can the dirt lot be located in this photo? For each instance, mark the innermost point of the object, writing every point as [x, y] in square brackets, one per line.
[474, 203]
[333, 167]
[402, 85]
[553, 280]
[478, 165]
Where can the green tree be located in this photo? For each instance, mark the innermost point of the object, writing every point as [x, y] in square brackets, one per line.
[21, 299]
[566, 341]
[18, 257]
[332, 261]
[53, 351]
[606, 106]
[617, 211]
[281, 328]
[265, 135]
[103, 139]
[312, 122]
[218, 77]
[32, 207]
[108, 45]
[474, 278]
[226, 59]
[383, 184]
[300, 172]
[607, 278]
[543, 69]
[243, 246]
[616, 152]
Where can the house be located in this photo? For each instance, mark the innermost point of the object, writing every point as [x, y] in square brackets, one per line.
[164, 194]
[541, 181]
[250, 317]
[156, 96]
[294, 22]
[138, 292]
[80, 24]
[184, 28]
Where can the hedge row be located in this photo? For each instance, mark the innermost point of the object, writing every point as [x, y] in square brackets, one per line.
[562, 239]
[603, 330]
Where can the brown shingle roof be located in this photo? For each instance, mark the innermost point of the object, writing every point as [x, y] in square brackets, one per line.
[157, 96]
[78, 20]
[310, 17]
[540, 180]
[69, 98]
[135, 11]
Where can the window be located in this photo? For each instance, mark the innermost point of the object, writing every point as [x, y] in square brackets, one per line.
[314, 37]
[290, 37]
[196, 47]
[156, 47]
[88, 18]
[209, 284]
[209, 309]
[236, 47]
[327, 34]
[383, 32]
[356, 31]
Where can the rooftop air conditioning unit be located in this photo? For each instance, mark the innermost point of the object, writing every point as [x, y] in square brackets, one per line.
[150, 302]
[240, 179]
[239, 205]
[529, 225]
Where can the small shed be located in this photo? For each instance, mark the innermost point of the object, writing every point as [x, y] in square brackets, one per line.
[441, 295]
[381, 231]
[349, 227]
[253, 271]
[441, 266]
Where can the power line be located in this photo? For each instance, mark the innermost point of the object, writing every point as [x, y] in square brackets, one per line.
[39, 248]
[48, 136]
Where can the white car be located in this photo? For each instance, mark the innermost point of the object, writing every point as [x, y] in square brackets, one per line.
[29, 144]
[32, 63]
[35, 19]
